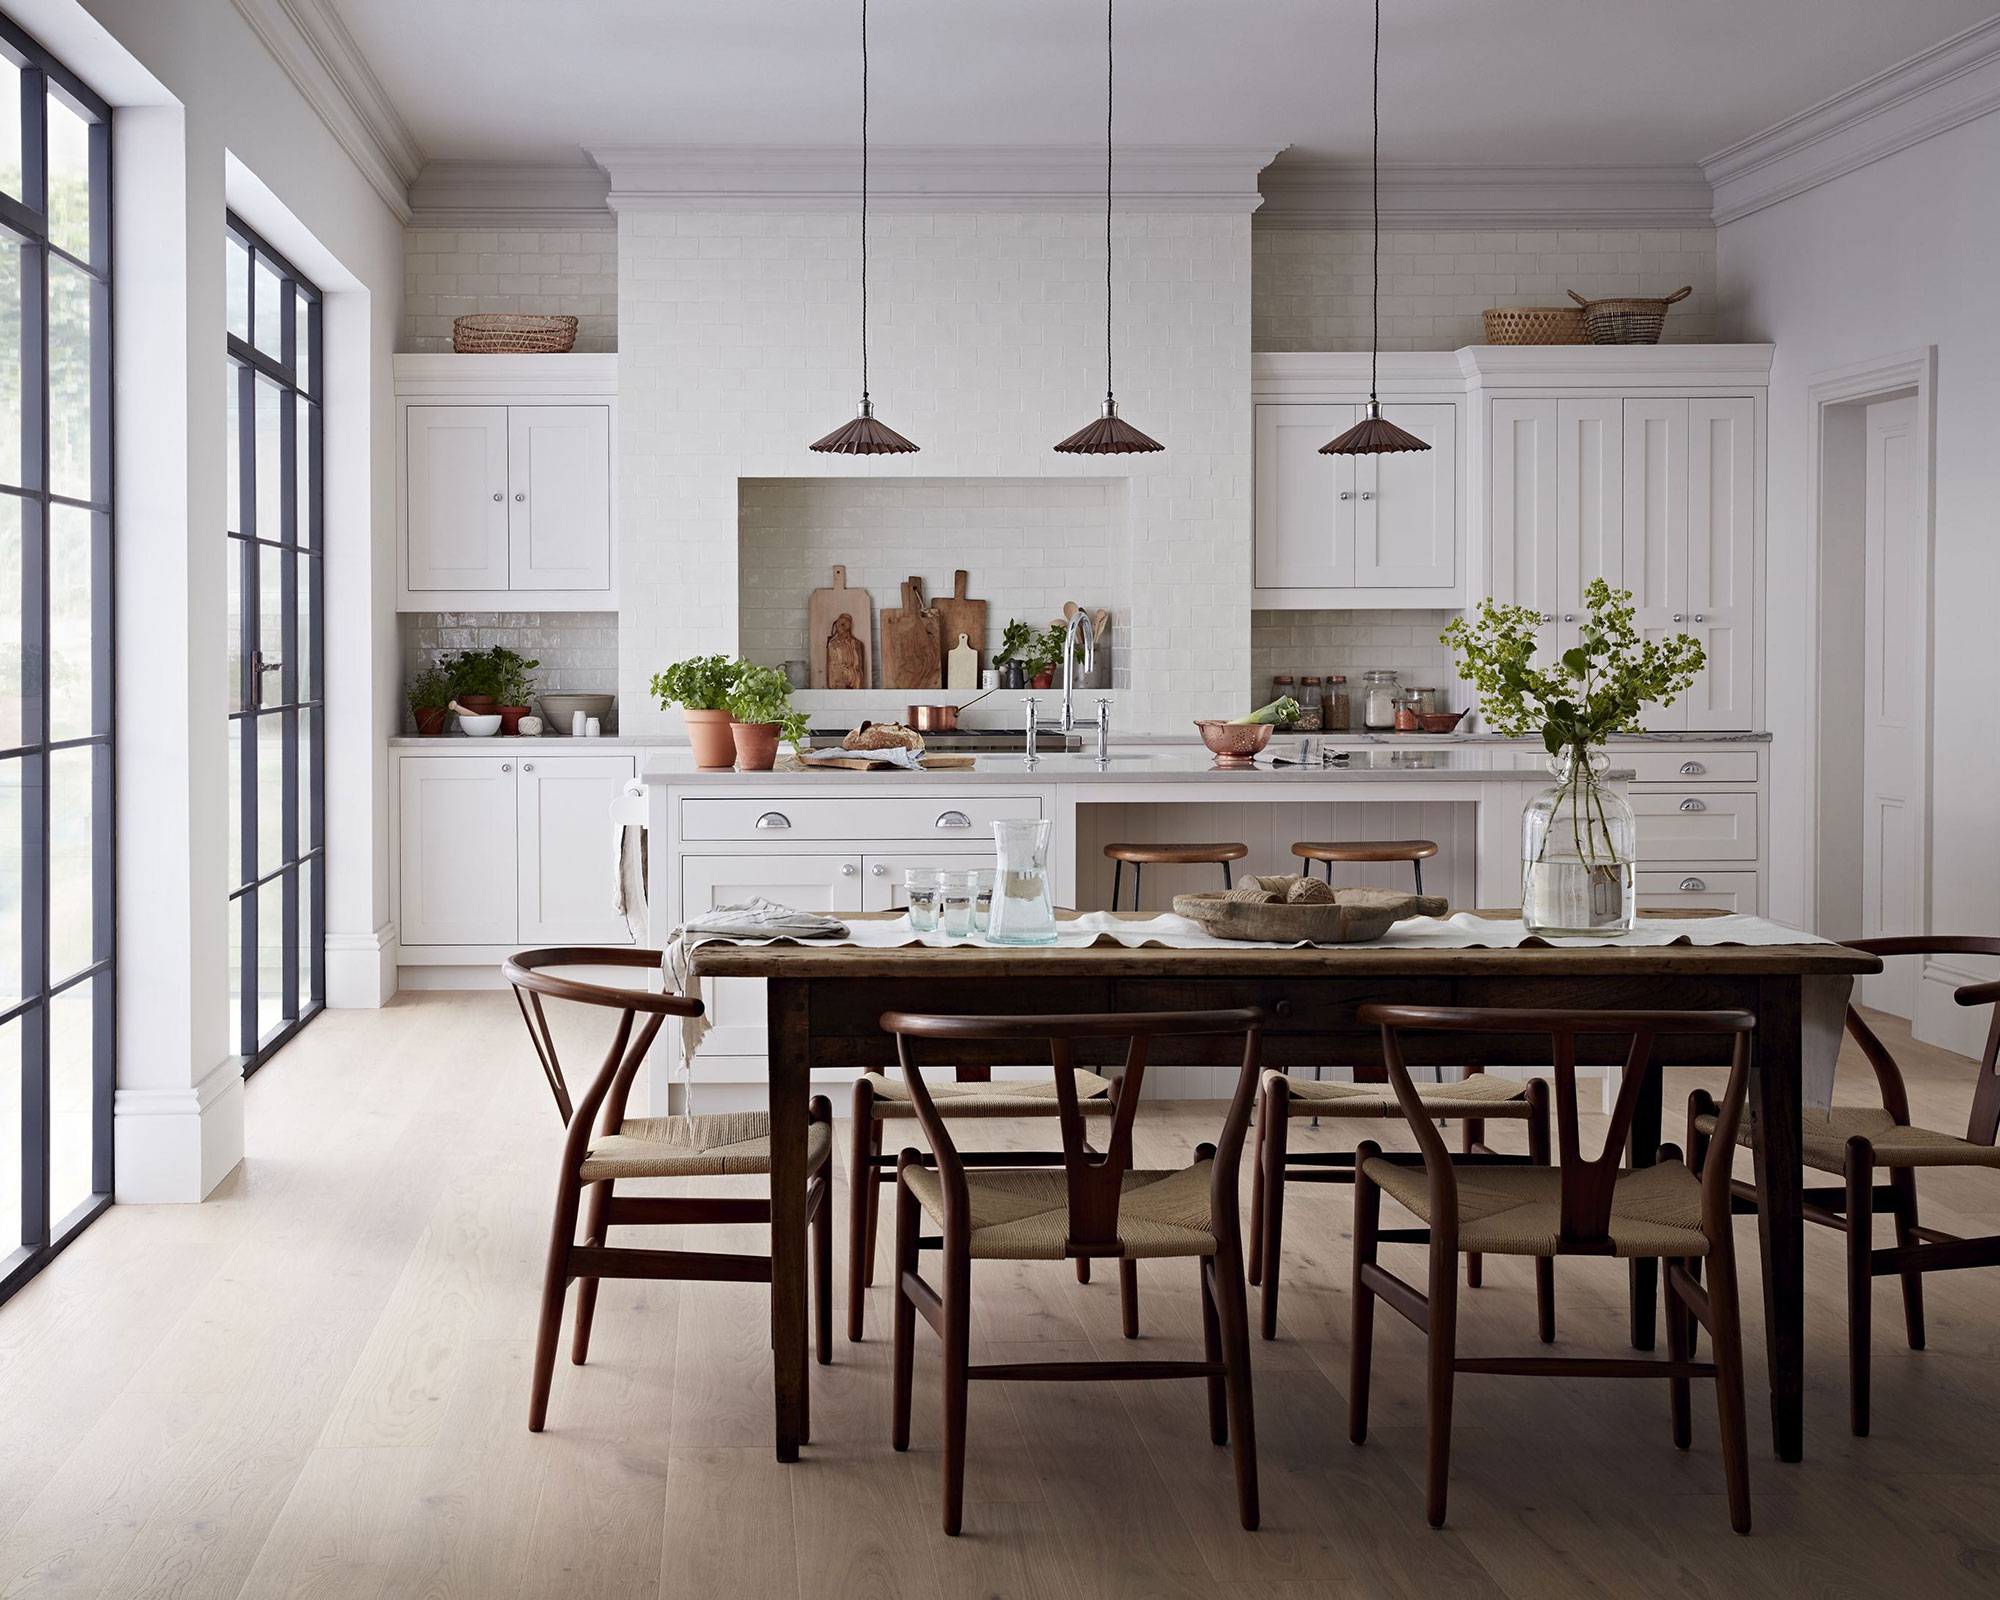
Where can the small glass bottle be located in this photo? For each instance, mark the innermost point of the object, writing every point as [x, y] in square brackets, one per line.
[1311, 707]
[1378, 709]
[1336, 714]
[1284, 687]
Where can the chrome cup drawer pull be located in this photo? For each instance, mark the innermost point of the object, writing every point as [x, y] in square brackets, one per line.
[1692, 769]
[774, 819]
[952, 819]
[1692, 804]
[1693, 885]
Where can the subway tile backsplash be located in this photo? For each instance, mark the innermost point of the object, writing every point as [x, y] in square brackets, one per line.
[1351, 642]
[578, 650]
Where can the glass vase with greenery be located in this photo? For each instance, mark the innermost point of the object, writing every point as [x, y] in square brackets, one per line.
[1577, 837]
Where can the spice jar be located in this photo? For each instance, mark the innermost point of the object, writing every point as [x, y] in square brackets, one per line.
[1311, 706]
[1336, 715]
[1378, 705]
[1406, 712]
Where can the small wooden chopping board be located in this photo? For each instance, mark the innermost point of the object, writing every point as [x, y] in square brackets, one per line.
[912, 642]
[861, 761]
[823, 608]
[957, 615]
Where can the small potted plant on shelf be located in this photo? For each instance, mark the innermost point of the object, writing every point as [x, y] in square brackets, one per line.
[1045, 656]
[760, 704]
[700, 686]
[430, 696]
[493, 680]
[1577, 837]
[1011, 662]
[516, 693]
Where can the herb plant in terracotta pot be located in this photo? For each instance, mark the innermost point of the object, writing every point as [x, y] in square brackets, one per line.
[760, 701]
[484, 681]
[430, 694]
[700, 686]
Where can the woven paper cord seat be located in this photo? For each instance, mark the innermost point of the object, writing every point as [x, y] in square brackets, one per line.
[1825, 1143]
[1026, 1097]
[1024, 1216]
[1480, 1095]
[1515, 1211]
[730, 1144]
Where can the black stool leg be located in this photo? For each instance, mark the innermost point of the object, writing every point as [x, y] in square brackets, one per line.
[1328, 864]
[1138, 869]
[1418, 866]
[1117, 881]
[1226, 884]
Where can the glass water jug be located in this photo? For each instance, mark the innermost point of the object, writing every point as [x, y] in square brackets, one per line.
[1023, 911]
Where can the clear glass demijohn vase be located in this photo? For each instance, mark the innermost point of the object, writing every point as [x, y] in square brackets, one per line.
[1577, 840]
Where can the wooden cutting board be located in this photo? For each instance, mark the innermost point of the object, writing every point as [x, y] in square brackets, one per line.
[957, 615]
[861, 761]
[912, 642]
[823, 609]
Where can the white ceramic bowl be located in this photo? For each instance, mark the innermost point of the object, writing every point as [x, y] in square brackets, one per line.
[479, 727]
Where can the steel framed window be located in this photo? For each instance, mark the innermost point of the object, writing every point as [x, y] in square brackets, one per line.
[277, 732]
[58, 986]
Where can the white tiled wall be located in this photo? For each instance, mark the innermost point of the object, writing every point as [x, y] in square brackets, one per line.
[1026, 544]
[578, 650]
[1312, 284]
[737, 348]
[449, 272]
[1351, 642]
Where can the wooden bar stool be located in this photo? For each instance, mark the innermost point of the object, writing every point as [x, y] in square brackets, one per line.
[1178, 855]
[1414, 851]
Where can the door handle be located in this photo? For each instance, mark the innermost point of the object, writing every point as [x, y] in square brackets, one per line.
[878, 871]
[1692, 769]
[774, 819]
[1692, 884]
[1368, 494]
[1698, 617]
[1692, 804]
[1346, 495]
[1569, 616]
[506, 766]
[847, 869]
[527, 766]
[520, 497]
[1679, 618]
[497, 495]
[952, 819]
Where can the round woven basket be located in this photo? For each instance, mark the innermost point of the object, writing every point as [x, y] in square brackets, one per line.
[1627, 321]
[512, 333]
[1536, 325]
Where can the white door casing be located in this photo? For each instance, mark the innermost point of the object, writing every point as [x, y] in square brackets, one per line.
[458, 508]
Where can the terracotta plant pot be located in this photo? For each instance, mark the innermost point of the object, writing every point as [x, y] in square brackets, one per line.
[1043, 680]
[756, 745]
[708, 732]
[480, 705]
[430, 720]
[510, 718]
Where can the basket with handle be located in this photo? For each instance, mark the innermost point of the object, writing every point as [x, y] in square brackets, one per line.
[1535, 325]
[1630, 321]
[512, 333]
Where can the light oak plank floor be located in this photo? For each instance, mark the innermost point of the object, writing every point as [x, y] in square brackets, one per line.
[316, 1385]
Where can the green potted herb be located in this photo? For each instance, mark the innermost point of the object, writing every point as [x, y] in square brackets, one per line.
[1045, 655]
[700, 686]
[1011, 661]
[430, 696]
[760, 704]
[493, 680]
[1577, 838]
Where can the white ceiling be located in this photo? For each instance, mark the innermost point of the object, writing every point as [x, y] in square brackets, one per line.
[1525, 81]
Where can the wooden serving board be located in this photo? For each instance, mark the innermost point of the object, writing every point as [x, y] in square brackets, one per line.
[860, 761]
[912, 643]
[823, 607]
[957, 615]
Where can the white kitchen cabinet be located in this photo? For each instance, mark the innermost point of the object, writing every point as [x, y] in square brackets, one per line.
[458, 851]
[1687, 826]
[1355, 531]
[1705, 890]
[564, 844]
[559, 476]
[458, 527]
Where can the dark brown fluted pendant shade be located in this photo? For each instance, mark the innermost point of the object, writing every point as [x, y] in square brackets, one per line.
[1372, 436]
[1109, 435]
[864, 436]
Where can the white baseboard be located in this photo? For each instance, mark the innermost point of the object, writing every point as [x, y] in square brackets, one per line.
[361, 969]
[175, 1145]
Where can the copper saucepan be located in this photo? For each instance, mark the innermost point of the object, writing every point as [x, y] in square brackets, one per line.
[938, 719]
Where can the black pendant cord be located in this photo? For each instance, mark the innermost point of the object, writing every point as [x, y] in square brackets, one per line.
[1375, 198]
[1108, 66]
[864, 201]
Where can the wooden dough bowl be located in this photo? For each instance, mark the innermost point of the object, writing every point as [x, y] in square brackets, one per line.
[1354, 916]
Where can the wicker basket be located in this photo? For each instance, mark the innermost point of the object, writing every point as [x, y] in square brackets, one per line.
[1536, 325]
[512, 333]
[1627, 321]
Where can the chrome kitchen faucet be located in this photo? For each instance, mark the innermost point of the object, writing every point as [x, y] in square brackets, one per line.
[1079, 625]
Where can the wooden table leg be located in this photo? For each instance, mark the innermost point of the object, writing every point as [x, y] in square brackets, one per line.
[1774, 1102]
[1644, 1151]
[788, 1019]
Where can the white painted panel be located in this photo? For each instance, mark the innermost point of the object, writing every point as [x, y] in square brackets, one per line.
[1590, 507]
[1304, 530]
[1721, 561]
[457, 851]
[1521, 508]
[1406, 516]
[456, 521]
[559, 497]
[1654, 536]
[1704, 888]
[1695, 826]
[566, 843]
[1683, 767]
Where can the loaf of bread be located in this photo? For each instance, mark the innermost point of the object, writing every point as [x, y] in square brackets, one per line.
[883, 736]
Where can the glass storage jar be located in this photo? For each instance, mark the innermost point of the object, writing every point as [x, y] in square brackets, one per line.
[1336, 714]
[1312, 709]
[1378, 704]
[1284, 687]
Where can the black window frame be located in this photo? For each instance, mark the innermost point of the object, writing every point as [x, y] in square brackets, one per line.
[303, 828]
[42, 1235]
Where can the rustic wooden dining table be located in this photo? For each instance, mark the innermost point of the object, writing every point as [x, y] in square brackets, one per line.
[823, 1002]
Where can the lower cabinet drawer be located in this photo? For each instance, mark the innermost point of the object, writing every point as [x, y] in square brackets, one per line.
[942, 816]
[1715, 891]
[1677, 825]
[1686, 766]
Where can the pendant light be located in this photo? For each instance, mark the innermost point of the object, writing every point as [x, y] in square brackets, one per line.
[1110, 434]
[864, 436]
[1373, 435]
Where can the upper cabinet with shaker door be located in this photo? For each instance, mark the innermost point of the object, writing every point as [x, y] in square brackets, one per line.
[508, 481]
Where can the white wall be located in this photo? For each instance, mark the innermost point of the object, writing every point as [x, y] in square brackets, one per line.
[451, 272]
[1897, 255]
[194, 85]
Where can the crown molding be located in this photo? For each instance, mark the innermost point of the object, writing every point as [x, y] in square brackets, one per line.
[1050, 178]
[1311, 192]
[509, 194]
[1918, 99]
[312, 45]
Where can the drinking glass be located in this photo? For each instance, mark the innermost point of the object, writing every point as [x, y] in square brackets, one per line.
[982, 900]
[1023, 912]
[921, 887]
[960, 891]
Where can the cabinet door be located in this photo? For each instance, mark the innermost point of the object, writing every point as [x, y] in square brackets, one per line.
[1305, 501]
[559, 465]
[457, 851]
[1721, 563]
[1654, 536]
[882, 874]
[1590, 507]
[826, 882]
[1406, 506]
[567, 849]
[1521, 509]
[456, 516]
